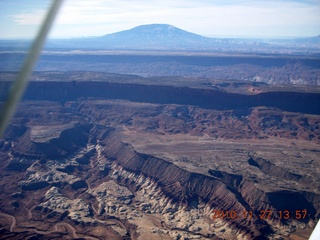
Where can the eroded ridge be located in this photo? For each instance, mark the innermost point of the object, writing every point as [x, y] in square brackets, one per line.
[104, 169]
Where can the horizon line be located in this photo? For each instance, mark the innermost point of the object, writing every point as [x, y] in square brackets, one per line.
[165, 24]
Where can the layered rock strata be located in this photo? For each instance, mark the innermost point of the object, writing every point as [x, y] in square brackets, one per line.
[110, 169]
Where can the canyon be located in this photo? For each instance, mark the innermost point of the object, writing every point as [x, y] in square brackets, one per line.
[106, 156]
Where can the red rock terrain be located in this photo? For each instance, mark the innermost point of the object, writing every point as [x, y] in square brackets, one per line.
[96, 168]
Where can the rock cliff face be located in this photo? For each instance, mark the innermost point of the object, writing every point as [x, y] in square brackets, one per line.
[145, 169]
[183, 187]
[204, 98]
[55, 141]
[212, 99]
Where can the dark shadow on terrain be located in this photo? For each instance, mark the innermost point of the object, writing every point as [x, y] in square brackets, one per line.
[204, 98]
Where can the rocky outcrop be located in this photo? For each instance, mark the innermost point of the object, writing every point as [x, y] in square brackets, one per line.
[220, 191]
[112, 198]
[231, 179]
[40, 180]
[77, 209]
[271, 169]
[52, 142]
[183, 187]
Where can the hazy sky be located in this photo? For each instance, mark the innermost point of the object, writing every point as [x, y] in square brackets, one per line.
[215, 18]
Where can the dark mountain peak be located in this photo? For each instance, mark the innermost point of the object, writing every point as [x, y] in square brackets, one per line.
[168, 37]
[155, 27]
[155, 31]
[157, 36]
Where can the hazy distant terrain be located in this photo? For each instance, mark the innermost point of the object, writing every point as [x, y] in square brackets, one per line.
[162, 37]
[164, 50]
[270, 69]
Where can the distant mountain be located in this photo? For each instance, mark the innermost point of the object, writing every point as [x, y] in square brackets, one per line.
[164, 37]
[153, 37]
[156, 36]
